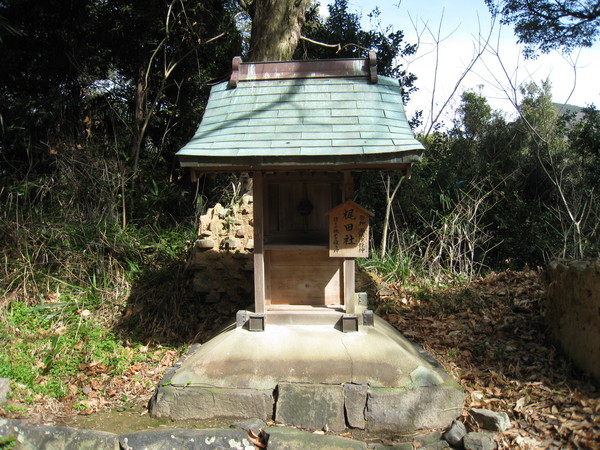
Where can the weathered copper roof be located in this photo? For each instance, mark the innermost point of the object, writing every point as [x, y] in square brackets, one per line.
[339, 120]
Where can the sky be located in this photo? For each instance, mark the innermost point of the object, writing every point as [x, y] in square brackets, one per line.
[458, 26]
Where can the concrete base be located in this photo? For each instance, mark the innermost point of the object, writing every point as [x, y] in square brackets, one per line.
[312, 376]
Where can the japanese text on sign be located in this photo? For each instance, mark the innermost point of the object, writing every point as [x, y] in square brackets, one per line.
[349, 231]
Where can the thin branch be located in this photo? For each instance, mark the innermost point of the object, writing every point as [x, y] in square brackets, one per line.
[312, 41]
[339, 47]
[483, 45]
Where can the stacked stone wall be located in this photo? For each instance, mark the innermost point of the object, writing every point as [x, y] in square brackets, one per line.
[221, 259]
[573, 311]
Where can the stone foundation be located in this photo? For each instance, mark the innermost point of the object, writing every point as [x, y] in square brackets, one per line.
[313, 377]
[318, 406]
[573, 311]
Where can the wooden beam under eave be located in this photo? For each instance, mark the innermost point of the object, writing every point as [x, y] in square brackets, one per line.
[259, 253]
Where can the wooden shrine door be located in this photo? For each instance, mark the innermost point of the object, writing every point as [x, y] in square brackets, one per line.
[297, 267]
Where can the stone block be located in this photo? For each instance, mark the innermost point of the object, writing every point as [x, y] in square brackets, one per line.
[209, 439]
[289, 438]
[455, 434]
[403, 410]
[191, 402]
[313, 406]
[254, 425]
[572, 318]
[4, 389]
[229, 244]
[490, 420]
[355, 402]
[479, 441]
[31, 437]
[204, 244]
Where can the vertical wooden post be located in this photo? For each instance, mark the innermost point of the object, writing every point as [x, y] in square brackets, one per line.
[349, 286]
[259, 254]
[348, 188]
[348, 194]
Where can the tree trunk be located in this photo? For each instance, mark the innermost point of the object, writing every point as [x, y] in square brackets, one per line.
[276, 27]
[389, 198]
[141, 93]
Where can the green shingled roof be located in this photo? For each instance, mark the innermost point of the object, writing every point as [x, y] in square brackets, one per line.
[303, 122]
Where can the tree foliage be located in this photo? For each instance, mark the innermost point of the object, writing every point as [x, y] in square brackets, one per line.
[546, 25]
[534, 178]
[96, 97]
[345, 38]
[120, 84]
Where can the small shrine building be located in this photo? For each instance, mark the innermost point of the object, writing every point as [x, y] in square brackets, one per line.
[301, 129]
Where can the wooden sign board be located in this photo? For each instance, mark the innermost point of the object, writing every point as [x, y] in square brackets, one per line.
[349, 231]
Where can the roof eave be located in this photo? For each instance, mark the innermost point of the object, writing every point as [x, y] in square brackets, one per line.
[385, 161]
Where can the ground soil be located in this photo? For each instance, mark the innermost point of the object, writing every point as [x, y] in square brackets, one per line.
[490, 334]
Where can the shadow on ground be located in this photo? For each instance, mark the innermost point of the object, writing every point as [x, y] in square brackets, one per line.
[163, 308]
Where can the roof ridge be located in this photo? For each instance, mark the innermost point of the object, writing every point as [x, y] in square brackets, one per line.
[323, 68]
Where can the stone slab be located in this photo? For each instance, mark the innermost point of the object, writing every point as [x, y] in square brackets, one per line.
[218, 438]
[193, 402]
[403, 410]
[355, 402]
[33, 437]
[314, 406]
[291, 439]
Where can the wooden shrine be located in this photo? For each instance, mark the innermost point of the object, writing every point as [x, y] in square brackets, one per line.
[301, 129]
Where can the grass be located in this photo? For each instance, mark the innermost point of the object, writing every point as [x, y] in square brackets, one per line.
[64, 286]
[47, 344]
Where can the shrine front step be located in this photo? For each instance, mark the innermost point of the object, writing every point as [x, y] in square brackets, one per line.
[319, 317]
[330, 318]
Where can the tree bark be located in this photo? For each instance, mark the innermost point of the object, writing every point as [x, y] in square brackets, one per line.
[276, 28]
[141, 93]
[389, 198]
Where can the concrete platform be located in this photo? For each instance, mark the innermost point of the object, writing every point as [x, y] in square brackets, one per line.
[311, 376]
